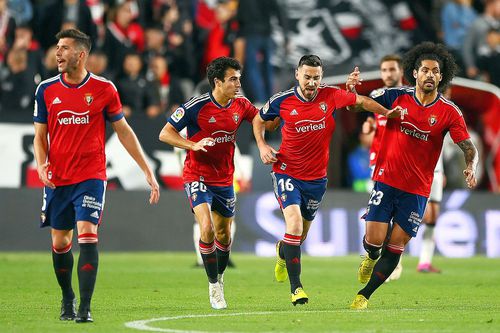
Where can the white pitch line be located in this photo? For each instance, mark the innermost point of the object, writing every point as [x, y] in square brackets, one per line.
[143, 324]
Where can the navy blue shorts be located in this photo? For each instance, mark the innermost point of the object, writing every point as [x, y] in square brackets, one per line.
[65, 205]
[405, 209]
[221, 198]
[307, 194]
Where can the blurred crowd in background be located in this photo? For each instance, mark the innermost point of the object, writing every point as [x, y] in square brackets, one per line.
[156, 51]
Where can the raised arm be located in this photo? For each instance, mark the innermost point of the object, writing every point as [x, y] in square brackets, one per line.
[368, 104]
[130, 142]
[471, 160]
[267, 153]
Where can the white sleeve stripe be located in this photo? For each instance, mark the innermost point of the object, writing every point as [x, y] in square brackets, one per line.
[55, 78]
[444, 100]
[280, 94]
[196, 100]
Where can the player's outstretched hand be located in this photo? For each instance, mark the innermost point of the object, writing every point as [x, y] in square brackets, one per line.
[200, 145]
[353, 80]
[470, 178]
[397, 112]
[42, 174]
[268, 154]
[154, 196]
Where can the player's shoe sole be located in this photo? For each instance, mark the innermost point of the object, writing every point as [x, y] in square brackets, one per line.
[280, 272]
[365, 269]
[299, 296]
[360, 302]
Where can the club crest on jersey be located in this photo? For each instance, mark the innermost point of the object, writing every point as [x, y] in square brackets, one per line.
[323, 106]
[432, 120]
[236, 117]
[88, 99]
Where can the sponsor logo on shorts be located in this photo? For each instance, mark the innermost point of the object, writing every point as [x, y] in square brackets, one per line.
[416, 219]
[91, 202]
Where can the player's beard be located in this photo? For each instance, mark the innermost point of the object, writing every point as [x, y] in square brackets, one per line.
[426, 89]
[390, 83]
[71, 66]
[309, 94]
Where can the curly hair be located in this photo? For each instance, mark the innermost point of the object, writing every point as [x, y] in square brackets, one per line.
[412, 60]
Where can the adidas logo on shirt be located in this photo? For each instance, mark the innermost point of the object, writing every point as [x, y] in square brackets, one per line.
[95, 214]
[294, 113]
[56, 101]
[211, 120]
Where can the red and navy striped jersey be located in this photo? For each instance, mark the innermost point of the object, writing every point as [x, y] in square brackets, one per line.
[76, 118]
[306, 129]
[411, 146]
[204, 117]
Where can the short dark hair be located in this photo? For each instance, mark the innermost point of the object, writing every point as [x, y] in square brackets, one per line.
[80, 38]
[310, 60]
[412, 60]
[217, 69]
[392, 57]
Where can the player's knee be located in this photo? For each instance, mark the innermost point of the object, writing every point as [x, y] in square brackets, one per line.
[223, 235]
[61, 245]
[207, 233]
[374, 239]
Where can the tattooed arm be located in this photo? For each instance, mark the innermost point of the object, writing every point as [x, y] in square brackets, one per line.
[471, 160]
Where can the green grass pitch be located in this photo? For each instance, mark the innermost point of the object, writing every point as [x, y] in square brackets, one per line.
[142, 286]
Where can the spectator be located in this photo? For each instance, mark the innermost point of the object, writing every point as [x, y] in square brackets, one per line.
[137, 94]
[97, 63]
[254, 18]
[24, 40]
[155, 43]
[178, 28]
[7, 30]
[475, 39]
[359, 164]
[456, 18]
[62, 14]
[17, 88]
[21, 10]
[168, 87]
[489, 58]
[123, 36]
[50, 63]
